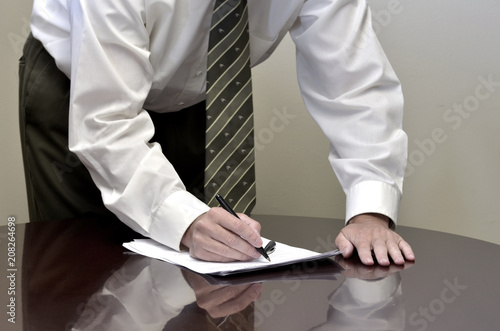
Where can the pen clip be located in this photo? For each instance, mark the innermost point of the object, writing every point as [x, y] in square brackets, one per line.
[270, 247]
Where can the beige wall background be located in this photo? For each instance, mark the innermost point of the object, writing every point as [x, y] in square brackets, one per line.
[446, 54]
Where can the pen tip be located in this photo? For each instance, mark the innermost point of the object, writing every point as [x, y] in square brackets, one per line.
[268, 259]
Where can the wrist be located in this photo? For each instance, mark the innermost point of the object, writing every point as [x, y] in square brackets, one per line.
[372, 218]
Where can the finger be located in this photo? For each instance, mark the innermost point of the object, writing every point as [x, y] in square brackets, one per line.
[215, 238]
[213, 250]
[208, 247]
[365, 253]
[233, 244]
[203, 254]
[344, 245]
[207, 255]
[395, 253]
[407, 250]
[241, 228]
[251, 223]
[380, 250]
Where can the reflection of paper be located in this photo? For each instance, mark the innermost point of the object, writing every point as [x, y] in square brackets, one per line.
[323, 269]
[283, 255]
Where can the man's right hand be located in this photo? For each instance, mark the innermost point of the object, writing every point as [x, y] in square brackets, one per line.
[219, 236]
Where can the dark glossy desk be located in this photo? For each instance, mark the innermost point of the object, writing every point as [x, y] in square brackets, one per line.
[76, 275]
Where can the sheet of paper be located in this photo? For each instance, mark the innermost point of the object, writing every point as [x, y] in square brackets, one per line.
[283, 255]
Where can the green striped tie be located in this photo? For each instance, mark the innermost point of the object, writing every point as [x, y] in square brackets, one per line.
[230, 162]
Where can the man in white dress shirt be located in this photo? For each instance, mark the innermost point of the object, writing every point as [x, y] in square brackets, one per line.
[97, 78]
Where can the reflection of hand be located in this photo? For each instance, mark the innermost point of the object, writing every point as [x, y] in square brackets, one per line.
[354, 268]
[221, 301]
[219, 236]
[367, 232]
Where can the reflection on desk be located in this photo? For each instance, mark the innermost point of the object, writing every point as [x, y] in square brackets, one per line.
[77, 276]
[147, 294]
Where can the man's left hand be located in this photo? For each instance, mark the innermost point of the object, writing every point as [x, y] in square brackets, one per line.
[369, 233]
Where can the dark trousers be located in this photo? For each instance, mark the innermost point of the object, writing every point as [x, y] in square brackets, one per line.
[58, 185]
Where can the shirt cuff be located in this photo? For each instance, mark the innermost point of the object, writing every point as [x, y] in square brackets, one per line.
[174, 217]
[373, 291]
[175, 292]
[373, 197]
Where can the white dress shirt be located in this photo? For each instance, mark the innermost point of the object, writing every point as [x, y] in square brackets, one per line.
[127, 56]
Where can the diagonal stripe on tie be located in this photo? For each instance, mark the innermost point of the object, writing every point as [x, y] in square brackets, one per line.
[223, 41]
[219, 125]
[234, 73]
[236, 47]
[229, 158]
[229, 101]
[230, 161]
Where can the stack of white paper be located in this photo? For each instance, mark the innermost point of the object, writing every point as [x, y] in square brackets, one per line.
[283, 255]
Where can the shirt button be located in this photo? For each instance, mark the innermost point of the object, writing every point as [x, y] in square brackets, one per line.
[180, 104]
[199, 73]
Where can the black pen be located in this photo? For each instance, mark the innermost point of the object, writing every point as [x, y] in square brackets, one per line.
[224, 205]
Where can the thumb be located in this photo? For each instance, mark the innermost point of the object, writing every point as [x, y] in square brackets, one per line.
[344, 245]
